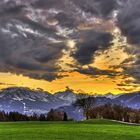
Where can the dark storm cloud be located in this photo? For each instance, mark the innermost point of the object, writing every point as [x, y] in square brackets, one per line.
[66, 20]
[126, 89]
[14, 6]
[101, 8]
[47, 76]
[95, 71]
[58, 4]
[19, 55]
[25, 49]
[128, 21]
[70, 13]
[46, 54]
[133, 71]
[91, 42]
[128, 83]
[38, 26]
[31, 44]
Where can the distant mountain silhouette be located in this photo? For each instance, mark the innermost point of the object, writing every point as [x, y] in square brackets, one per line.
[25, 100]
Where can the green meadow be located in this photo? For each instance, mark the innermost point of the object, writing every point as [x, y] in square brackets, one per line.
[86, 130]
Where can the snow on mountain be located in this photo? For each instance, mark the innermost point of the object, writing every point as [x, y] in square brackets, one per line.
[28, 101]
[112, 96]
[70, 96]
[108, 95]
[25, 100]
[67, 95]
[130, 99]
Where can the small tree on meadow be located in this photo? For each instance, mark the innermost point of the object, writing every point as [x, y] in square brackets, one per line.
[86, 104]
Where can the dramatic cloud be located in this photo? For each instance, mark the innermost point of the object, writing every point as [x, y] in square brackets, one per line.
[91, 42]
[33, 34]
[128, 22]
[36, 34]
[26, 46]
[102, 8]
[90, 71]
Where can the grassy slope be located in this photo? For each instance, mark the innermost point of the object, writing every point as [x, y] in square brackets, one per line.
[89, 130]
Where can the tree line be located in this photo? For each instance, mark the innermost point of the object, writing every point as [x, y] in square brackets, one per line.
[108, 111]
[16, 116]
[114, 112]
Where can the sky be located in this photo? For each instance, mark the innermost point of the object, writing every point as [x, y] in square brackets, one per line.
[90, 46]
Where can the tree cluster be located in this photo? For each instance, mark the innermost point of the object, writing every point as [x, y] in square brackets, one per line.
[55, 115]
[114, 112]
[108, 111]
[15, 116]
[86, 104]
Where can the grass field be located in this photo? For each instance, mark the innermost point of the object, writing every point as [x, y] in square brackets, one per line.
[88, 130]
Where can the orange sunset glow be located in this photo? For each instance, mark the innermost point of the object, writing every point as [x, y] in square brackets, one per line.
[53, 48]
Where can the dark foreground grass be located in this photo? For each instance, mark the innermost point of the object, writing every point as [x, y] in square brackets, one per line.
[88, 130]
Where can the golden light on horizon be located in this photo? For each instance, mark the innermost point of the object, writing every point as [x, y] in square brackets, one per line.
[103, 59]
[74, 80]
[87, 83]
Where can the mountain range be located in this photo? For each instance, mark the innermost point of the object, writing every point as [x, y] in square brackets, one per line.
[27, 101]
